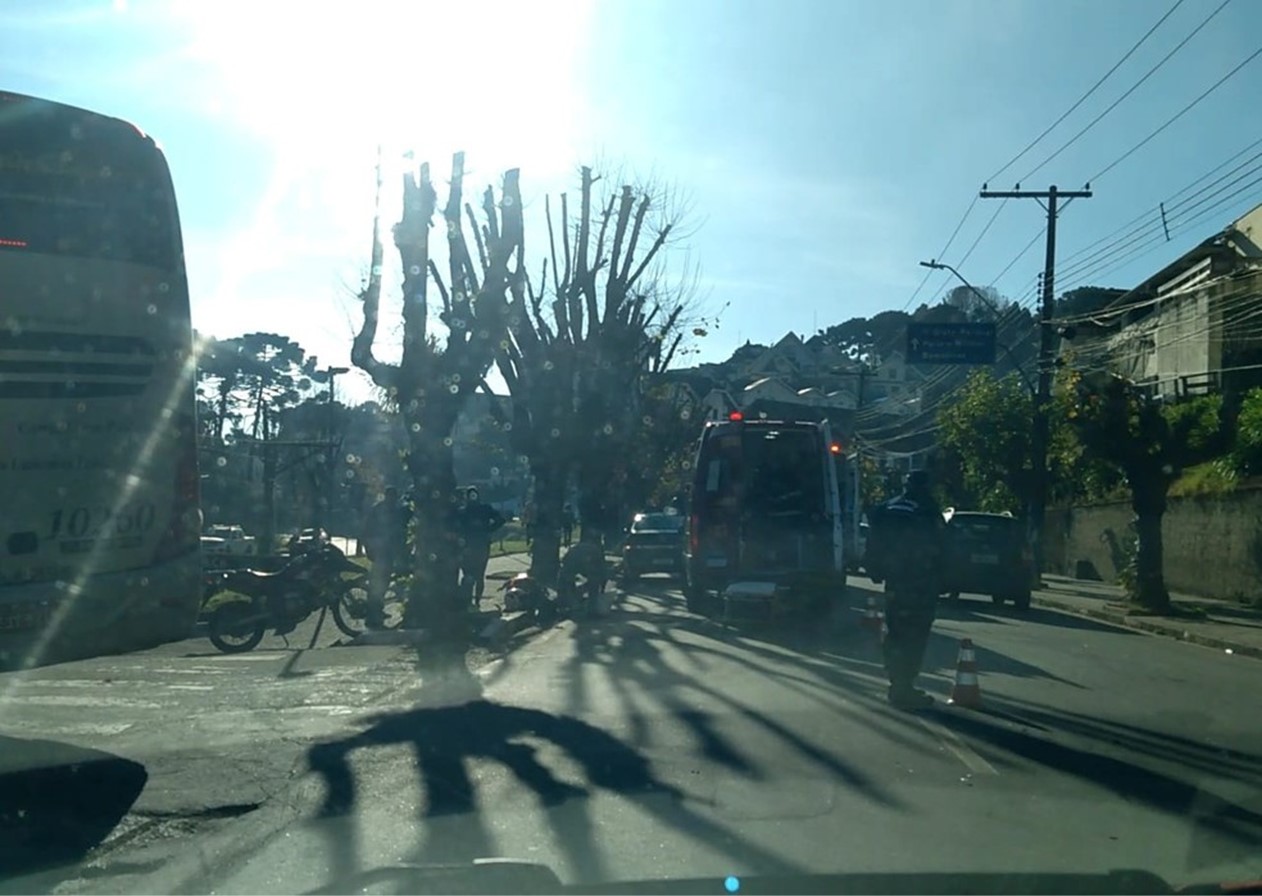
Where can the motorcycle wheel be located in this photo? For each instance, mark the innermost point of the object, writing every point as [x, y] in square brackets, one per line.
[234, 620]
[349, 611]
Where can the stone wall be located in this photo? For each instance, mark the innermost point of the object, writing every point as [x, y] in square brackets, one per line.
[1213, 544]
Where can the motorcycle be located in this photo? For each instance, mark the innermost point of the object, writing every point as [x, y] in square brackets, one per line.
[280, 600]
[523, 593]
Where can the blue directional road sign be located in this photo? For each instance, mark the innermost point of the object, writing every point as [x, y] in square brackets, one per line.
[951, 343]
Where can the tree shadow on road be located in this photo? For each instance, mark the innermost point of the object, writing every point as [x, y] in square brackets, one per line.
[1128, 761]
[455, 725]
[842, 641]
[58, 802]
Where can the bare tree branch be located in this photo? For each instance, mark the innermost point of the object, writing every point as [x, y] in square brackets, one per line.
[442, 288]
[411, 237]
[478, 238]
[650, 255]
[383, 375]
[629, 258]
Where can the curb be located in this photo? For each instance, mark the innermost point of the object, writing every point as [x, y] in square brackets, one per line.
[1153, 628]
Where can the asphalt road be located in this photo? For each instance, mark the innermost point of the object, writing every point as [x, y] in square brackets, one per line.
[653, 743]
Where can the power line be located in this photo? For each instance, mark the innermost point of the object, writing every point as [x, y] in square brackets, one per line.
[1082, 99]
[1219, 83]
[1170, 200]
[1158, 227]
[1157, 240]
[1074, 139]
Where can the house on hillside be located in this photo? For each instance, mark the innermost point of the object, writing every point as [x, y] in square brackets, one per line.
[1188, 329]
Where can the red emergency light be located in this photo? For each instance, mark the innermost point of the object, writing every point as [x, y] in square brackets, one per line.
[736, 416]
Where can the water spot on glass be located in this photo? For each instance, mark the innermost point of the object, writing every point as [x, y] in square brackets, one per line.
[647, 420]
[348, 475]
[548, 365]
[221, 462]
[453, 389]
[416, 427]
[507, 202]
[81, 407]
[508, 426]
[685, 414]
[448, 441]
[556, 433]
[455, 377]
[414, 270]
[376, 270]
[495, 471]
[607, 429]
[164, 286]
[432, 557]
[144, 581]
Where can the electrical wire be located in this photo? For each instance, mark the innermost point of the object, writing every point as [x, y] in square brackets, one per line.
[1219, 83]
[1179, 46]
[1082, 99]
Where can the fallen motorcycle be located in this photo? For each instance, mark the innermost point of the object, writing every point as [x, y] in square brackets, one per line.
[525, 594]
[281, 600]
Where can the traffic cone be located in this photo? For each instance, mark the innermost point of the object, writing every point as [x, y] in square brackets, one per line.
[966, 692]
[872, 616]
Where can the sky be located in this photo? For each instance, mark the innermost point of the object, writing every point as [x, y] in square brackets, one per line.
[818, 149]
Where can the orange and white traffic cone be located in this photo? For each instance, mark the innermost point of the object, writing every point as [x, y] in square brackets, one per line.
[967, 691]
[872, 616]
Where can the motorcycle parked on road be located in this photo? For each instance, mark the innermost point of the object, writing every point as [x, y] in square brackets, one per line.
[308, 583]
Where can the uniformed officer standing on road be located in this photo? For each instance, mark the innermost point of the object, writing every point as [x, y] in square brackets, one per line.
[906, 552]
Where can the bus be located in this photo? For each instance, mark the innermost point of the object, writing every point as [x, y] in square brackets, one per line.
[99, 509]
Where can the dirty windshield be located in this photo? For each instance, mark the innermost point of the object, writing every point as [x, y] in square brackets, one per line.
[630, 445]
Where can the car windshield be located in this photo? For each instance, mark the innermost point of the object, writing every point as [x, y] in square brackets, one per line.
[692, 445]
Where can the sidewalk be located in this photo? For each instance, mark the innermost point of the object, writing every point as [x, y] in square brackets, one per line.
[1230, 627]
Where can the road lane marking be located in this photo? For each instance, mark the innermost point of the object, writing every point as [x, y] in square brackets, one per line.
[960, 749]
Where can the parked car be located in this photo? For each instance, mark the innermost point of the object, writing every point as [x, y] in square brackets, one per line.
[987, 553]
[227, 539]
[654, 543]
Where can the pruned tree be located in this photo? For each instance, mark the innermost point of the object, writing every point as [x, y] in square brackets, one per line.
[583, 342]
[1120, 424]
[446, 352]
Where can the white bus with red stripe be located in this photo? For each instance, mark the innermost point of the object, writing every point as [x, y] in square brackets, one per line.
[99, 517]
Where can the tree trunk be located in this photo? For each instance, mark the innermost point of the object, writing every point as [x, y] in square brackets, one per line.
[1148, 500]
[434, 599]
[549, 497]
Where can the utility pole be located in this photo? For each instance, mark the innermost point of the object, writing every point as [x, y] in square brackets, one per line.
[1039, 438]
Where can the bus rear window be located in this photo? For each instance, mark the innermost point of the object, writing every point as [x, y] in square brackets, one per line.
[83, 190]
[784, 472]
[765, 471]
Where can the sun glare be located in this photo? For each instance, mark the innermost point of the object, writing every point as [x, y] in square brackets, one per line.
[320, 88]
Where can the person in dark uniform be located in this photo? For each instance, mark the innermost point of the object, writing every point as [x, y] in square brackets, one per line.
[906, 552]
[477, 523]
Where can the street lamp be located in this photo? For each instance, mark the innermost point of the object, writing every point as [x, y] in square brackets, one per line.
[941, 266]
[1039, 448]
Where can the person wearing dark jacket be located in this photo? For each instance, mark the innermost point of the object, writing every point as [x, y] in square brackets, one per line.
[906, 551]
[477, 522]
